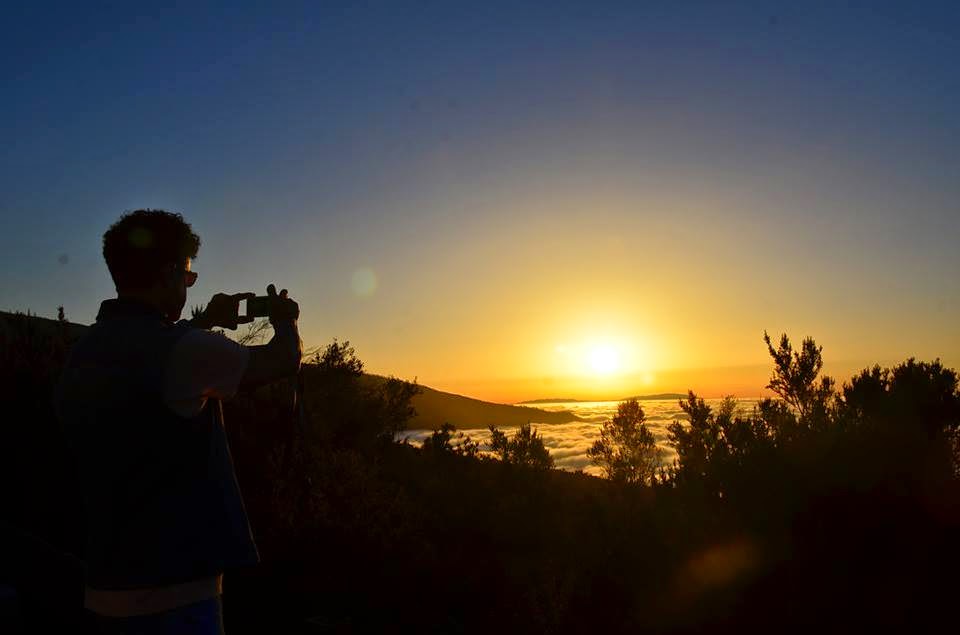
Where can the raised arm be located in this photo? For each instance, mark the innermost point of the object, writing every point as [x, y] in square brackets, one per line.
[280, 357]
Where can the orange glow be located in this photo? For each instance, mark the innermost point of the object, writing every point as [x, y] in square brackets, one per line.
[602, 305]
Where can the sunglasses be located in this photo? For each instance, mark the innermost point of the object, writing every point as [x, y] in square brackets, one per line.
[189, 277]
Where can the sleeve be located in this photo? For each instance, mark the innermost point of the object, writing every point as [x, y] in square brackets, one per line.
[202, 365]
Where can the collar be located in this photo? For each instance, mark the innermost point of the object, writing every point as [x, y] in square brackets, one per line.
[128, 307]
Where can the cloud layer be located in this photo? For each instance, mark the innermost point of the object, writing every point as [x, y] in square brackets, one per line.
[568, 442]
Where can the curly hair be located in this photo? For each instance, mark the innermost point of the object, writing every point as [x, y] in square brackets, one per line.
[142, 242]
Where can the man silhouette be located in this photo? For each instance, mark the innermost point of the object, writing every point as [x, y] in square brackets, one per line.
[139, 400]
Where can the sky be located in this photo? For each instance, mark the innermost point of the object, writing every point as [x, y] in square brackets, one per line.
[508, 200]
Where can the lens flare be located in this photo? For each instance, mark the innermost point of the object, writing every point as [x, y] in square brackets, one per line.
[363, 282]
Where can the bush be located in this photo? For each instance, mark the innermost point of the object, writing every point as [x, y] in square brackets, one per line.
[899, 423]
[443, 441]
[526, 448]
[348, 409]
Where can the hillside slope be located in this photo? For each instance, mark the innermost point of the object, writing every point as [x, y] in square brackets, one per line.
[434, 407]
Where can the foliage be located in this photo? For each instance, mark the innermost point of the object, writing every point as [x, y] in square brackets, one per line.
[762, 512]
[346, 410]
[927, 391]
[443, 441]
[908, 415]
[626, 450]
[339, 360]
[902, 421]
[795, 379]
[255, 332]
[714, 448]
[525, 449]
[41, 505]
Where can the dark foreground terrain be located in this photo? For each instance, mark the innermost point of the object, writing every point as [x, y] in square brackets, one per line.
[828, 509]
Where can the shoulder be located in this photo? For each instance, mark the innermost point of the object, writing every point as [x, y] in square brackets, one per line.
[204, 364]
[200, 343]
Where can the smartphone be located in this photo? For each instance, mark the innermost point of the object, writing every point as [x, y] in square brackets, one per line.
[258, 306]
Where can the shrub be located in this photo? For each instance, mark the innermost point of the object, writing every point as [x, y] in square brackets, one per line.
[346, 408]
[526, 448]
[443, 441]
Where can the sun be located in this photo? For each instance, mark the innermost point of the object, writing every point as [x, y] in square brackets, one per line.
[604, 360]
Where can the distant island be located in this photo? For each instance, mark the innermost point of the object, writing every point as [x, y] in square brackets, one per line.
[662, 395]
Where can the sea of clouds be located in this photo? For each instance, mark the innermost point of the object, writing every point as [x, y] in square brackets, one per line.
[568, 442]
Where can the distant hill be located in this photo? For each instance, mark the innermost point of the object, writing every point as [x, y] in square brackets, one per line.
[42, 325]
[662, 395]
[434, 407]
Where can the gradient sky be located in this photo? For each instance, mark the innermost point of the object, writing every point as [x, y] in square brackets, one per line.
[487, 196]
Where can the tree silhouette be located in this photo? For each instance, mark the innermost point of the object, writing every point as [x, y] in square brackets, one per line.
[526, 448]
[626, 450]
[795, 378]
[910, 414]
[349, 409]
[339, 359]
[443, 441]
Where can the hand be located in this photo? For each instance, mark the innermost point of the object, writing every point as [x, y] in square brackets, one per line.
[224, 310]
[281, 307]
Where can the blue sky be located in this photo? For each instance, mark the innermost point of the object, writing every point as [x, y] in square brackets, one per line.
[518, 164]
